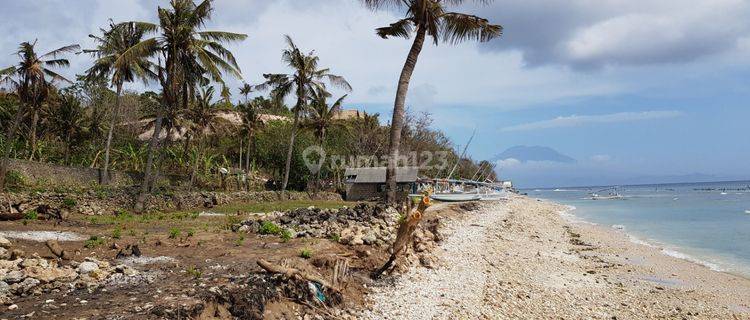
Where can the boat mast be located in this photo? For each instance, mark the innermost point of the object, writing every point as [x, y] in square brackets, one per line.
[462, 154]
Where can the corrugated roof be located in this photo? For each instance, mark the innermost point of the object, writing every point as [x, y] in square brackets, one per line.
[377, 174]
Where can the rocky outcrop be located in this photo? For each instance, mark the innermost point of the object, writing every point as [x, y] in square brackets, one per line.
[35, 275]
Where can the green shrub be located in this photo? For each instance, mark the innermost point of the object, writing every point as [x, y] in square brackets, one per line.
[240, 240]
[31, 215]
[15, 180]
[194, 272]
[69, 203]
[117, 233]
[93, 242]
[286, 235]
[306, 253]
[174, 233]
[190, 233]
[335, 237]
[268, 227]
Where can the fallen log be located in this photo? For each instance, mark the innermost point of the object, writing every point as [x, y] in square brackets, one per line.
[57, 250]
[295, 273]
[404, 234]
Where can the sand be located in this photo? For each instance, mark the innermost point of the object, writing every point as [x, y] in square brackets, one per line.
[521, 259]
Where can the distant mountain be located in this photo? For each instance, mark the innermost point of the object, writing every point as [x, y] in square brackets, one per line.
[533, 153]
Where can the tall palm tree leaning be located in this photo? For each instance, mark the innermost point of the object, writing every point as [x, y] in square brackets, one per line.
[424, 18]
[188, 53]
[305, 80]
[111, 63]
[31, 79]
[251, 123]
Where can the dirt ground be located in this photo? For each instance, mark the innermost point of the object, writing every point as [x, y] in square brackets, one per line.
[191, 255]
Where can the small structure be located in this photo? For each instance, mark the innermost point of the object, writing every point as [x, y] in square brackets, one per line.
[368, 183]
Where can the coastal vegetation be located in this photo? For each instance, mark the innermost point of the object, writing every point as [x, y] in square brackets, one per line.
[186, 125]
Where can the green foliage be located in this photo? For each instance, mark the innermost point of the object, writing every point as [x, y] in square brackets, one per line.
[190, 233]
[194, 272]
[174, 233]
[117, 233]
[306, 253]
[31, 215]
[93, 242]
[240, 240]
[335, 237]
[15, 180]
[69, 203]
[286, 235]
[268, 227]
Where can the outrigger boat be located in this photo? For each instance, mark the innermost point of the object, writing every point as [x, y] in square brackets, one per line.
[611, 194]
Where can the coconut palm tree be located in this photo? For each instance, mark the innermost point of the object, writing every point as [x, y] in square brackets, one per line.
[112, 64]
[322, 115]
[69, 121]
[303, 82]
[424, 18]
[31, 79]
[245, 90]
[205, 120]
[251, 124]
[187, 50]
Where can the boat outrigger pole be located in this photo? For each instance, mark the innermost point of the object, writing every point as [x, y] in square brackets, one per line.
[481, 167]
[463, 154]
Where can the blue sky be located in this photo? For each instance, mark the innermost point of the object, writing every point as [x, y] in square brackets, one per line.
[634, 90]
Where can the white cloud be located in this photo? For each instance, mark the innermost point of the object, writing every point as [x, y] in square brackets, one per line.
[576, 121]
[507, 163]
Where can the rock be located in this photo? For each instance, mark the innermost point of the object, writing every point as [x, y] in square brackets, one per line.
[15, 276]
[126, 270]
[4, 288]
[47, 275]
[57, 250]
[27, 285]
[87, 267]
[33, 262]
[4, 254]
[370, 238]
[12, 307]
[4, 243]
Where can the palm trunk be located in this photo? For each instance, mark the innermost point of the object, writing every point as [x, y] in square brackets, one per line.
[32, 135]
[289, 153]
[152, 145]
[241, 150]
[397, 122]
[247, 157]
[10, 137]
[160, 161]
[110, 133]
[198, 156]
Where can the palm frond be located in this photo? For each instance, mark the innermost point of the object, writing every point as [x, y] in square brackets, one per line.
[66, 49]
[459, 27]
[402, 28]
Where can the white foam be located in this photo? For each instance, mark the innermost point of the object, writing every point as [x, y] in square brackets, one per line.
[618, 227]
[747, 211]
[686, 257]
[637, 240]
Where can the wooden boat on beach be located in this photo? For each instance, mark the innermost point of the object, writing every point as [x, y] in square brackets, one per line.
[455, 197]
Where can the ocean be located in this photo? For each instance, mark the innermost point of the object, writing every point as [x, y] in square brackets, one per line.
[707, 223]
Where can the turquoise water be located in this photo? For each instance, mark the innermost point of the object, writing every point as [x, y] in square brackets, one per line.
[708, 223]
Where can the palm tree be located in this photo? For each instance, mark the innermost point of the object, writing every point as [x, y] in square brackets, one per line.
[424, 18]
[31, 78]
[187, 51]
[303, 82]
[205, 120]
[111, 63]
[245, 90]
[251, 123]
[322, 116]
[68, 121]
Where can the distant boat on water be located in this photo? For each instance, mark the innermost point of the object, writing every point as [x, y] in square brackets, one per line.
[611, 194]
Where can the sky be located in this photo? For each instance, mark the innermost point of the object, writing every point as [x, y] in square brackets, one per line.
[636, 91]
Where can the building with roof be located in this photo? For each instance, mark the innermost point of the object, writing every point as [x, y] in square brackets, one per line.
[369, 183]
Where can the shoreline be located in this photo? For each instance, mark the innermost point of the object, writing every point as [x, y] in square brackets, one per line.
[520, 259]
[666, 249]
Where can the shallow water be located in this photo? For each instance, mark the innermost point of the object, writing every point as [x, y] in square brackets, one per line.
[705, 223]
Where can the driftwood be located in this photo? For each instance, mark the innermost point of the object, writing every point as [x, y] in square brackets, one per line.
[295, 273]
[404, 234]
[57, 250]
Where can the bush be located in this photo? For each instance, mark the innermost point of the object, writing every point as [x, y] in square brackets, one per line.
[174, 233]
[286, 235]
[15, 180]
[268, 227]
[117, 233]
[93, 242]
[69, 203]
[306, 254]
[31, 215]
